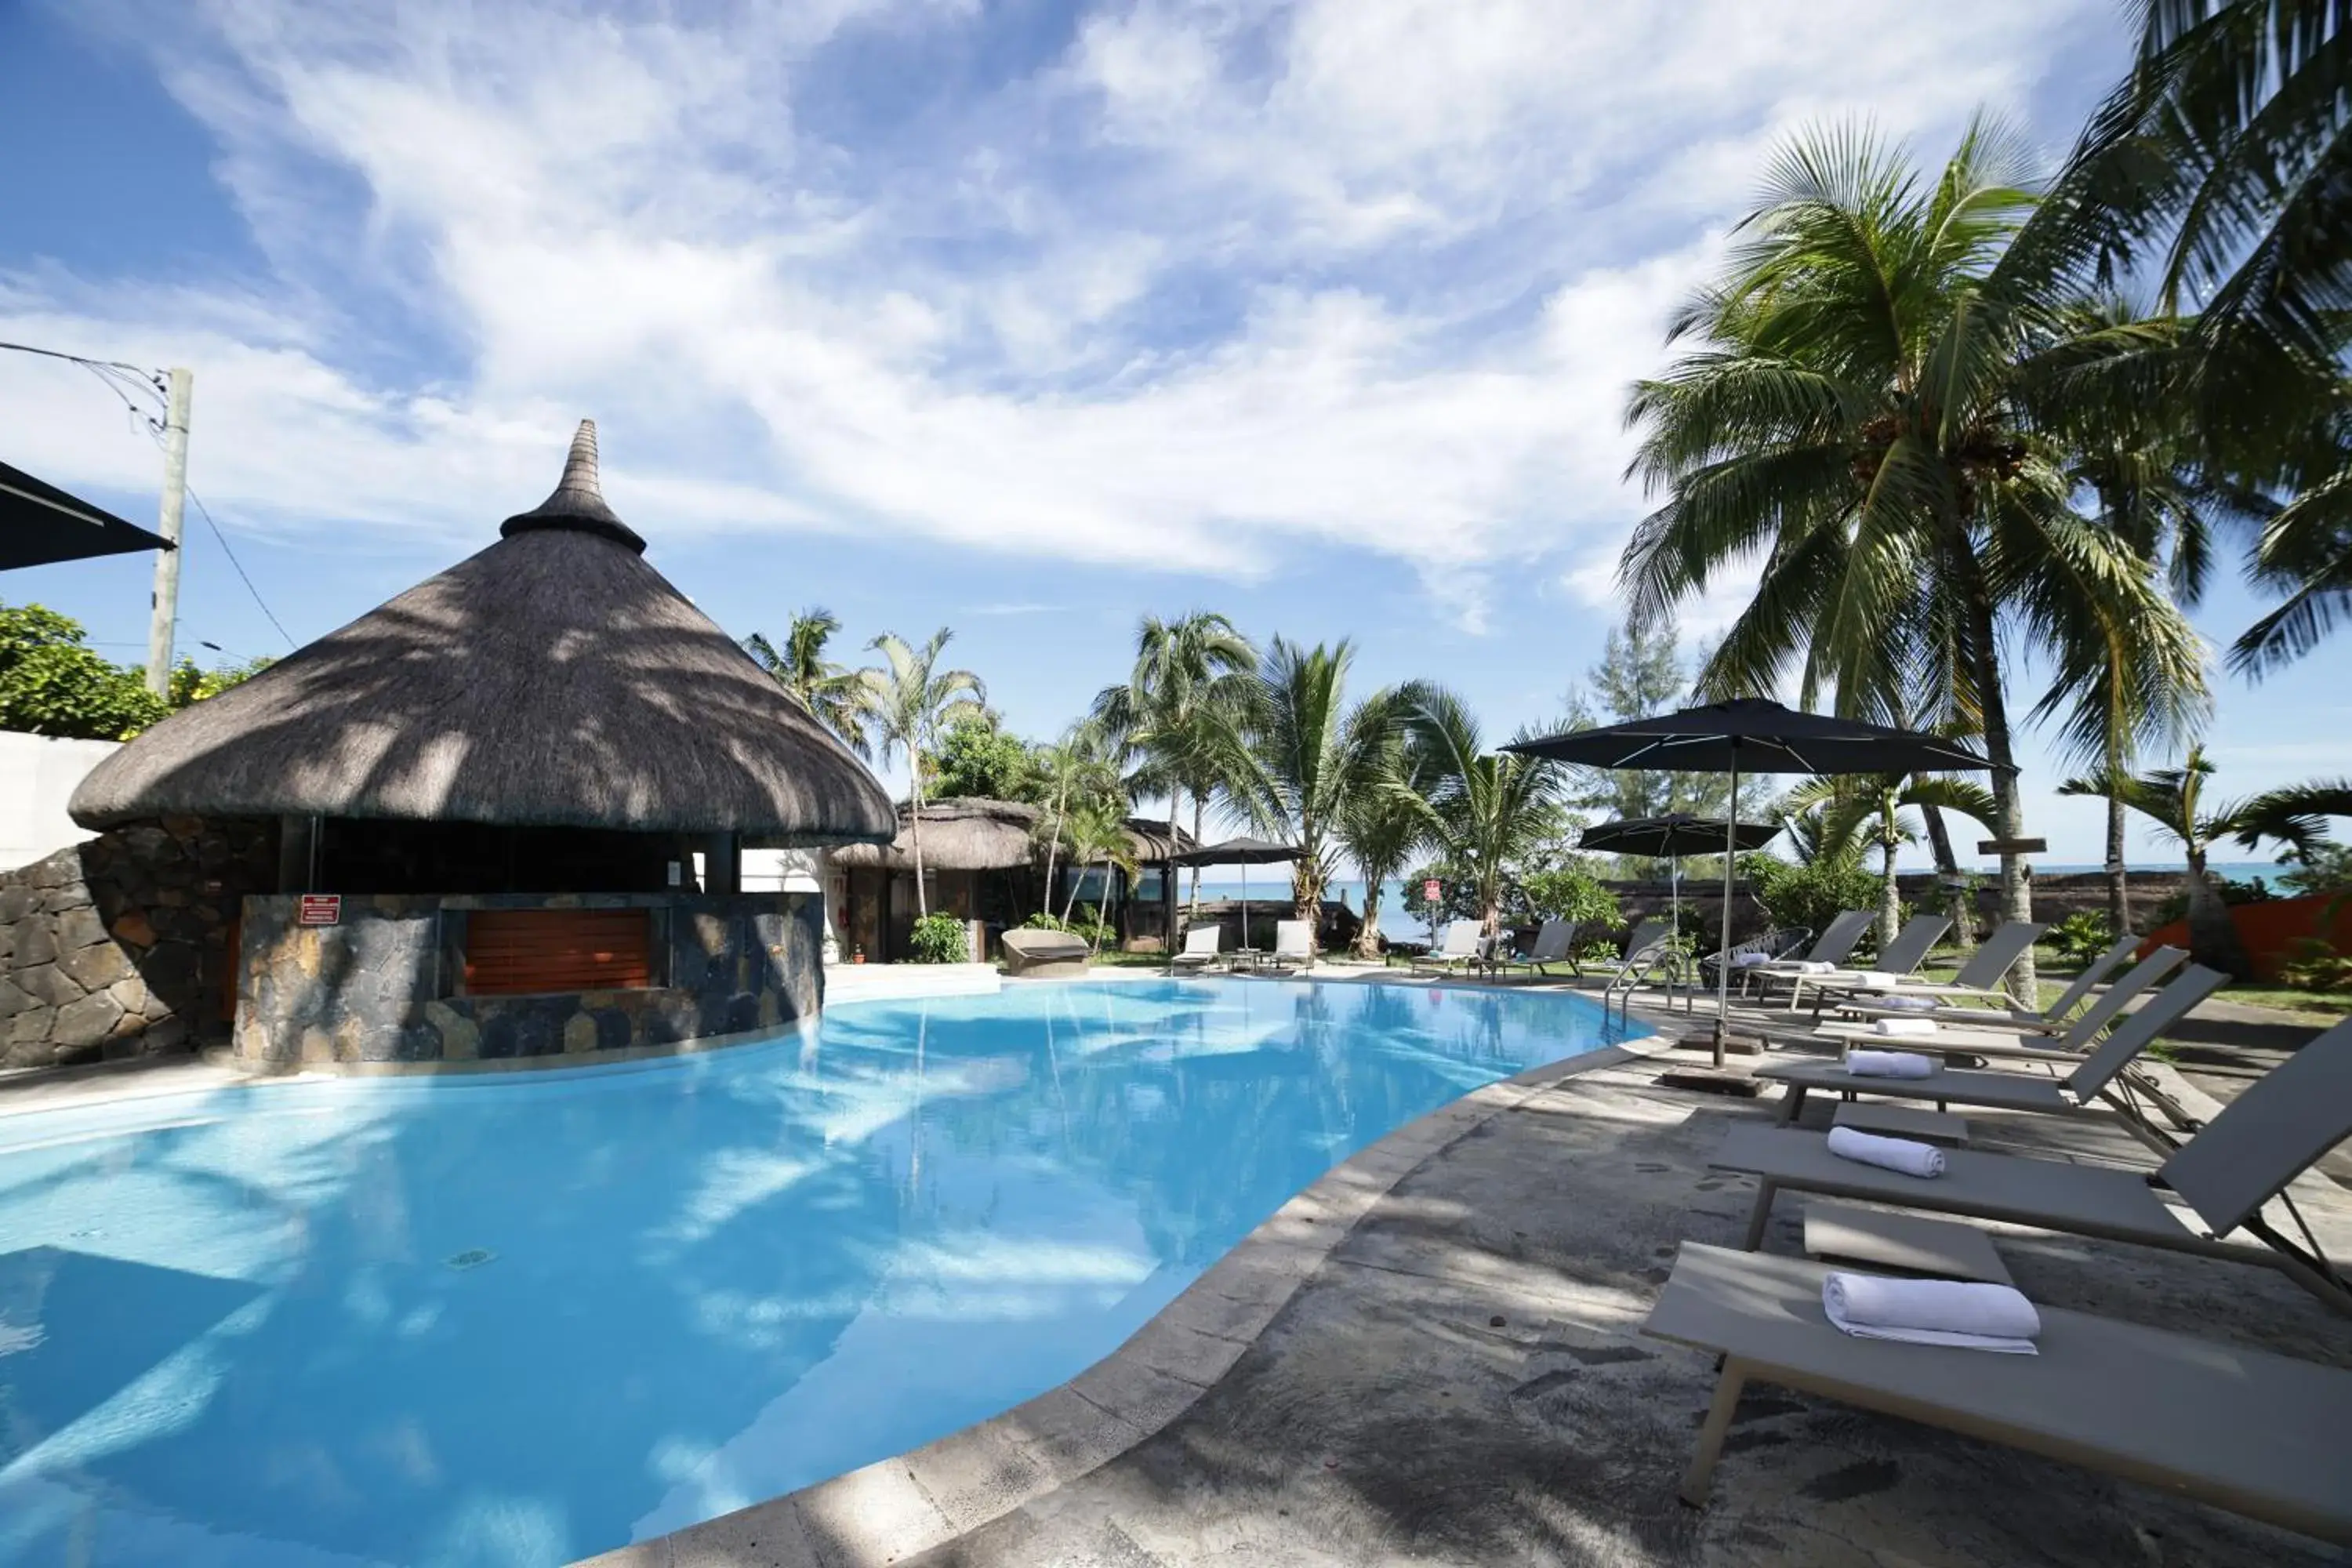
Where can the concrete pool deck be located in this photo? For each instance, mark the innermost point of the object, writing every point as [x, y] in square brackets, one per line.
[1432, 1356]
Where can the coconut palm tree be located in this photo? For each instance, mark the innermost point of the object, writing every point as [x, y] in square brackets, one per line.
[1181, 712]
[1077, 773]
[1486, 811]
[1097, 837]
[1866, 811]
[829, 691]
[2174, 799]
[1856, 411]
[909, 701]
[1383, 824]
[1308, 754]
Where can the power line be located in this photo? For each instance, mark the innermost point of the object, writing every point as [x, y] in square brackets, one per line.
[207, 513]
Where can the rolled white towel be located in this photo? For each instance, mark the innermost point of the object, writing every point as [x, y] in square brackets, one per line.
[1931, 1312]
[1877, 979]
[1903, 1026]
[1908, 1004]
[1912, 1159]
[1814, 966]
[1888, 1063]
[1750, 960]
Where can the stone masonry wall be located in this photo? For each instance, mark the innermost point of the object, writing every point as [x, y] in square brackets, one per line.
[381, 987]
[117, 947]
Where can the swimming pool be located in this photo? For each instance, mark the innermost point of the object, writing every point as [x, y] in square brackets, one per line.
[507, 1322]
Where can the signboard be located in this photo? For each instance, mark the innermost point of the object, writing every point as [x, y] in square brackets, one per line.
[320, 909]
[1432, 890]
[2012, 846]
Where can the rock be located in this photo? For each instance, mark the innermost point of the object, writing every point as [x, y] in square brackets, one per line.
[36, 941]
[183, 826]
[31, 1028]
[165, 1035]
[72, 895]
[133, 927]
[87, 1023]
[97, 967]
[50, 986]
[13, 999]
[79, 928]
[16, 898]
[135, 1000]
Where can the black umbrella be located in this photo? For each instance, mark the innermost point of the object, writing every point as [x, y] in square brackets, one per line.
[1242, 852]
[40, 524]
[1750, 735]
[1671, 838]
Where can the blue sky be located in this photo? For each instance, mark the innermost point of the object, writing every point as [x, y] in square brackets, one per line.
[1026, 318]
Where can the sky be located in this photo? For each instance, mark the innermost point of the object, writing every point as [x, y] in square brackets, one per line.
[1026, 319]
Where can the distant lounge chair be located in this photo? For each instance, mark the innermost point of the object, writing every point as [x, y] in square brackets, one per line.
[1834, 945]
[1200, 945]
[1294, 946]
[1979, 976]
[2246, 1430]
[2047, 1020]
[1642, 944]
[2007, 1090]
[1955, 1038]
[1896, 960]
[1554, 943]
[1458, 948]
[2233, 1166]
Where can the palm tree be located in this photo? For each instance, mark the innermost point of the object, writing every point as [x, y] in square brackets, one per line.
[1866, 810]
[1308, 754]
[1097, 838]
[1383, 824]
[909, 701]
[2174, 799]
[1486, 811]
[1857, 412]
[1078, 773]
[1182, 710]
[829, 691]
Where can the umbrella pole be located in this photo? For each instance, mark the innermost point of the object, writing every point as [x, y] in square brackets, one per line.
[1723, 969]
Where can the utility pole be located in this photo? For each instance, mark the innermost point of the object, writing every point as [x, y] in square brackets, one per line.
[166, 612]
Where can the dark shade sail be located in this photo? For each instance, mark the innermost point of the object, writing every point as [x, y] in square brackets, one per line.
[1753, 735]
[1237, 852]
[40, 524]
[1663, 838]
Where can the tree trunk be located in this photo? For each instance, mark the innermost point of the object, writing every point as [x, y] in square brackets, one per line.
[1890, 895]
[1368, 935]
[1947, 877]
[1054, 843]
[1199, 805]
[1102, 907]
[914, 827]
[2213, 934]
[2118, 879]
[2016, 898]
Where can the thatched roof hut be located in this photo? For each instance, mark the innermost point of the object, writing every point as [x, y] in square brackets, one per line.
[968, 834]
[555, 680]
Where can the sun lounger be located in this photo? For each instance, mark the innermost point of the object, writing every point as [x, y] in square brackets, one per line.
[1895, 962]
[2252, 1432]
[1979, 976]
[1957, 1039]
[1294, 946]
[1646, 941]
[1458, 948]
[2049, 1021]
[1200, 945]
[2007, 1090]
[2234, 1166]
[1834, 945]
[1554, 941]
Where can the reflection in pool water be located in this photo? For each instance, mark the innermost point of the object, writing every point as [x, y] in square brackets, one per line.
[514, 1321]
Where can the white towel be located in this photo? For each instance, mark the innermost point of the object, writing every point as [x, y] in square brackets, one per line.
[1814, 966]
[1903, 1154]
[1888, 1063]
[1908, 1004]
[1931, 1312]
[1903, 1026]
[1877, 979]
[1750, 960]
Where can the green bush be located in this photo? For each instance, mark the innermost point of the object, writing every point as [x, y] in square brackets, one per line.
[1814, 894]
[2321, 869]
[1045, 920]
[940, 939]
[2080, 937]
[2315, 965]
[1568, 894]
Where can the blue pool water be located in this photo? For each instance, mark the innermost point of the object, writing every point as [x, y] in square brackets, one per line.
[503, 1323]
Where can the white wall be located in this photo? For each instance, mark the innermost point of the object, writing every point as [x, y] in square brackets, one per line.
[38, 775]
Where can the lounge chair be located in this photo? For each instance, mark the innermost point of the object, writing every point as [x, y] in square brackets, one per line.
[2252, 1432]
[1772, 946]
[2050, 1020]
[1458, 948]
[1642, 943]
[1833, 946]
[1980, 976]
[1200, 948]
[1294, 946]
[1894, 962]
[2077, 1091]
[1554, 943]
[1954, 1039]
[2226, 1173]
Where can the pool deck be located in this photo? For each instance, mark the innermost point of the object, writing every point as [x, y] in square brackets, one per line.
[1432, 1356]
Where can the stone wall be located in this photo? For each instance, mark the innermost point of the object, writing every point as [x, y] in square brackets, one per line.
[118, 947]
[383, 985]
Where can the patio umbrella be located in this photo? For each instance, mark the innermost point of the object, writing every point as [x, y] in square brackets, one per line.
[1751, 734]
[1671, 838]
[40, 524]
[1242, 852]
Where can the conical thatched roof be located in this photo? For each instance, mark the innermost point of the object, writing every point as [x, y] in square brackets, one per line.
[970, 833]
[554, 679]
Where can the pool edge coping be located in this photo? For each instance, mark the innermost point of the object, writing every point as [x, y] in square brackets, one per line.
[926, 1497]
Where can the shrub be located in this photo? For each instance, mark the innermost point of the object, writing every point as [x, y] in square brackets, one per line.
[1045, 920]
[2315, 965]
[2321, 869]
[940, 939]
[2080, 937]
[1596, 952]
[1813, 894]
[1569, 894]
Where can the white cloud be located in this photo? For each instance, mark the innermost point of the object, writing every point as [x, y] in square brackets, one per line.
[1219, 285]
